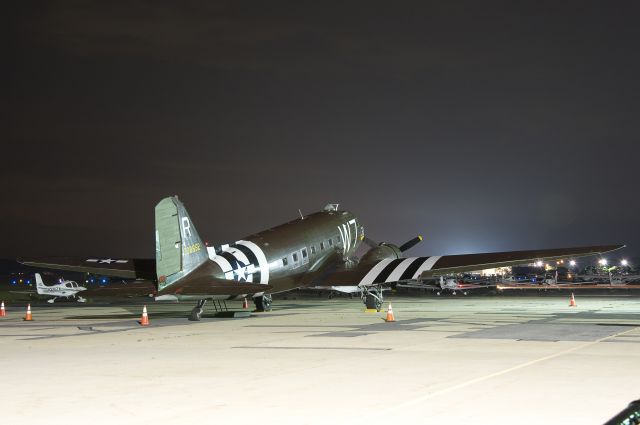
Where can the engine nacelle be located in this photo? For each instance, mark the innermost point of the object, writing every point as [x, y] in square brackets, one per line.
[381, 252]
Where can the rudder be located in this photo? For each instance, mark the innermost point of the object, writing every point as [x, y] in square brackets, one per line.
[179, 249]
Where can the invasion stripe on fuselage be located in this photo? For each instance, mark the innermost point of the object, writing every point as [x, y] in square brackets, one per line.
[223, 263]
[262, 259]
[233, 261]
[384, 274]
[251, 257]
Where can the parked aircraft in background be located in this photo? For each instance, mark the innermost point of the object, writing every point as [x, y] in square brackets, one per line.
[65, 288]
[314, 250]
[450, 285]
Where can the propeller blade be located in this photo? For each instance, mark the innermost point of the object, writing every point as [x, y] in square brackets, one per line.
[410, 244]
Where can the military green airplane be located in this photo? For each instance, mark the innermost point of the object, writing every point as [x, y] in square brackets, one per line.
[311, 251]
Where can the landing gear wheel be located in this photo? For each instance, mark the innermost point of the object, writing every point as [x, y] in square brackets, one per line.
[438, 293]
[196, 313]
[464, 293]
[454, 292]
[263, 303]
[373, 302]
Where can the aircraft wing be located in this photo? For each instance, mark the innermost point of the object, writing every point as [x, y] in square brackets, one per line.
[124, 268]
[418, 268]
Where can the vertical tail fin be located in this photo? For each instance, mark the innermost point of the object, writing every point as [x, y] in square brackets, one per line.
[39, 283]
[179, 249]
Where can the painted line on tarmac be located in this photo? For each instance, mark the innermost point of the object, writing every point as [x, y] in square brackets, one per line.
[461, 385]
[314, 348]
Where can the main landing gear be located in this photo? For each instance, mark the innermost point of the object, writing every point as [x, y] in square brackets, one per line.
[263, 302]
[196, 313]
[372, 297]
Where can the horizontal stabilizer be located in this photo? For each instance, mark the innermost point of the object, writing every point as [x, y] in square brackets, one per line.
[124, 268]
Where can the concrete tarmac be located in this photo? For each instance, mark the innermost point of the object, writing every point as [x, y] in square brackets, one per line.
[471, 360]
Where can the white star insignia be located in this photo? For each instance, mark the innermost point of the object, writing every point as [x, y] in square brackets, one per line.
[241, 273]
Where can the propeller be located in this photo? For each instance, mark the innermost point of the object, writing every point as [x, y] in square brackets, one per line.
[410, 243]
[404, 247]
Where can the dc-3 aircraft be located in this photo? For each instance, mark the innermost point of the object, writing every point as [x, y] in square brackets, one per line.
[317, 250]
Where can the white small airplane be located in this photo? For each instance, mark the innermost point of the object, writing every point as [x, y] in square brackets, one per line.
[66, 288]
[449, 284]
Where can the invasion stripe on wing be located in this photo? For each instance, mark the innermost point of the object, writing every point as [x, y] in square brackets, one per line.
[426, 266]
[384, 274]
[373, 273]
[408, 274]
[397, 273]
[399, 269]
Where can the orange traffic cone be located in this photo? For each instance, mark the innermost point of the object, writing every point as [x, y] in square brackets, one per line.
[3, 312]
[28, 316]
[390, 317]
[572, 301]
[144, 321]
[245, 304]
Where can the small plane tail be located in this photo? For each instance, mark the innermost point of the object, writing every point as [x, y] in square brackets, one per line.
[39, 283]
[179, 249]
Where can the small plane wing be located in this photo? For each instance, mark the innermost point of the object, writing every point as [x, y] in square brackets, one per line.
[434, 286]
[124, 268]
[418, 268]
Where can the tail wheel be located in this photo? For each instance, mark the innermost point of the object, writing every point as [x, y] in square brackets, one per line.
[196, 314]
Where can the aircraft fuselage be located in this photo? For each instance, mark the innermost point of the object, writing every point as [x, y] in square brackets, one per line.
[289, 255]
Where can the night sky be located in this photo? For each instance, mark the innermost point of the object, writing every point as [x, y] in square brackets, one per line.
[483, 126]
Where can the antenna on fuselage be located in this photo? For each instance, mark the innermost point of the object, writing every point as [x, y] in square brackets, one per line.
[301, 216]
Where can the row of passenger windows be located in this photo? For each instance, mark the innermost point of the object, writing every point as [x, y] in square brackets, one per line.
[294, 256]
